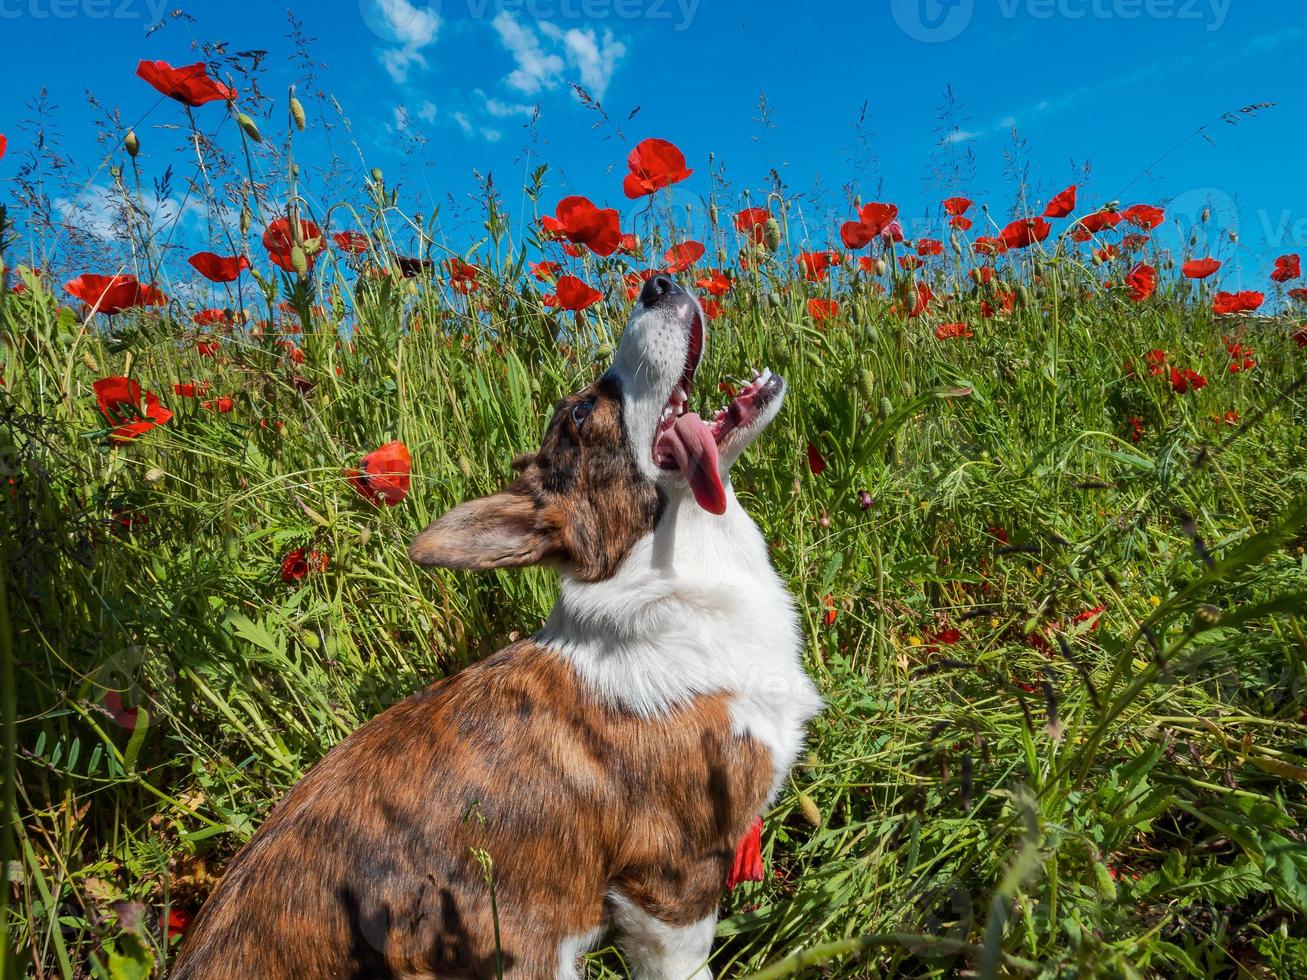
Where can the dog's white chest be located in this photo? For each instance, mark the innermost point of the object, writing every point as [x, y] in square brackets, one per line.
[695, 609]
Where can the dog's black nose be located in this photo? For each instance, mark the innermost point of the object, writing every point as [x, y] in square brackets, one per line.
[658, 288]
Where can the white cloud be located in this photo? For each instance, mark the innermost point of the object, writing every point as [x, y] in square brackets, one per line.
[535, 69]
[413, 28]
[543, 58]
[427, 111]
[102, 212]
[959, 136]
[505, 110]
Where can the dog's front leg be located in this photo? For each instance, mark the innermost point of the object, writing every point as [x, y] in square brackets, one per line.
[661, 950]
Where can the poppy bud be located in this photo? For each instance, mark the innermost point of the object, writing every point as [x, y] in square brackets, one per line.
[880, 267]
[712, 214]
[771, 234]
[153, 475]
[808, 807]
[1205, 216]
[247, 126]
[297, 113]
[295, 170]
[604, 351]
[377, 177]
[116, 172]
[90, 363]
[247, 217]
[1234, 236]
[1193, 239]
[131, 144]
[774, 301]
[298, 260]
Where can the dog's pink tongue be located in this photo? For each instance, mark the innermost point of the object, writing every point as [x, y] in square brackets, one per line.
[695, 450]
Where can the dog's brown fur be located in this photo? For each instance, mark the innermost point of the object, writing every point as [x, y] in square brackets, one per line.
[367, 868]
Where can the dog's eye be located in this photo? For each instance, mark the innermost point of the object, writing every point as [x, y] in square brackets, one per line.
[581, 411]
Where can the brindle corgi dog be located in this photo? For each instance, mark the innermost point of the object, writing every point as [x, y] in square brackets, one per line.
[595, 778]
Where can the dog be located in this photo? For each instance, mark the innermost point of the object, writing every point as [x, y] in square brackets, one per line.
[593, 779]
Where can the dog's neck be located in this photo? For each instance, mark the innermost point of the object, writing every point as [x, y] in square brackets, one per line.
[695, 609]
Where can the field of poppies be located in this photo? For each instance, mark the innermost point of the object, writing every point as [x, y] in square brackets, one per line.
[1039, 489]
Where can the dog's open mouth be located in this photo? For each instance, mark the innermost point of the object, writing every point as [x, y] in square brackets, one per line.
[686, 442]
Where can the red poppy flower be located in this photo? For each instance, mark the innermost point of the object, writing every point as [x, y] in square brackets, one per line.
[179, 920]
[822, 310]
[814, 265]
[629, 244]
[874, 219]
[570, 293]
[1098, 221]
[211, 318]
[910, 262]
[752, 223]
[1061, 204]
[219, 268]
[715, 283]
[929, 246]
[816, 461]
[1025, 232]
[654, 164]
[948, 331]
[1091, 616]
[1199, 268]
[113, 294]
[462, 276]
[1243, 302]
[982, 274]
[189, 84]
[580, 222]
[1136, 428]
[1298, 295]
[1300, 338]
[1141, 282]
[1106, 253]
[681, 257]
[301, 562]
[207, 348]
[190, 389]
[384, 478]
[1287, 268]
[1134, 242]
[223, 405]
[4, 145]
[1186, 380]
[957, 206]
[279, 241]
[989, 245]
[120, 401]
[935, 638]
[961, 222]
[711, 308]
[747, 865]
[1005, 301]
[545, 271]
[854, 234]
[353, 242]
[1143, 215]
[921, 299]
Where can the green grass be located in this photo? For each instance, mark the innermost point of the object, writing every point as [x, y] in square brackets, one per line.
[1118, 799]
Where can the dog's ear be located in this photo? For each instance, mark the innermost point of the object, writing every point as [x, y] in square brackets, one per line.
[504, 530]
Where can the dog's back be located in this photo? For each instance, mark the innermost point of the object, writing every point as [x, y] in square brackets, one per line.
[369, 867]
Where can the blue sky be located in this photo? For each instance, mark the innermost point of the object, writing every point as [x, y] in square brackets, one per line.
[435, 91]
